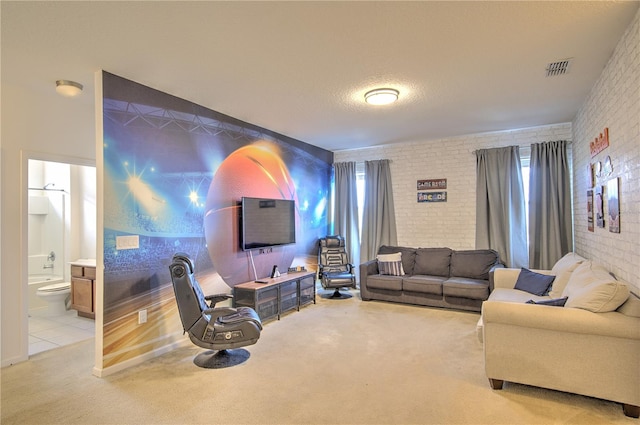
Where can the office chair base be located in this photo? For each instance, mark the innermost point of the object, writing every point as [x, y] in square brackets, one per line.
[337, 295]
[221, 358]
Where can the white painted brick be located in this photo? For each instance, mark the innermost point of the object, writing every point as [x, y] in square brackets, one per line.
[450, 223]
[614, 102]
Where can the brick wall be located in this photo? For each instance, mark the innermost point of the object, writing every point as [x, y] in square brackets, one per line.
[614, 103]
[451, 223]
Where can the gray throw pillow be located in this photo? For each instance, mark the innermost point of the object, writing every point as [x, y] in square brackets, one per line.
[556, 302]
[534, 283]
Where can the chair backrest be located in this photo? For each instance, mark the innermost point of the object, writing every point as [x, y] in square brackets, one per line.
[333, 255]
[189, 295]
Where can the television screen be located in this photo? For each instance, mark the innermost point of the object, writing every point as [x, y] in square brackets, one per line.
[267, 222]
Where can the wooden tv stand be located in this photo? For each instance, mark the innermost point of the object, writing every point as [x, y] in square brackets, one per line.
[277, 295]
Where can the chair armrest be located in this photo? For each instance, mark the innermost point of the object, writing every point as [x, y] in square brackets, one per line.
[214, 299]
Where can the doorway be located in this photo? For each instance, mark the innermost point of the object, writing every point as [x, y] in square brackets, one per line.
[61, 227]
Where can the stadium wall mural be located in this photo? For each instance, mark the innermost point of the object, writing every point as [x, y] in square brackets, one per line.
[174, 173]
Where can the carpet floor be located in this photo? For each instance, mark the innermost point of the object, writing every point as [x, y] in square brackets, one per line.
[340, 361]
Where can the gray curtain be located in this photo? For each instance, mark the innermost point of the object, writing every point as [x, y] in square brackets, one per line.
[379, 217]
[500, 209]
[550, 227]
[345, 218]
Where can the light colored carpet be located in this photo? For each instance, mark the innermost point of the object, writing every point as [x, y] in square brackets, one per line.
[336, 362]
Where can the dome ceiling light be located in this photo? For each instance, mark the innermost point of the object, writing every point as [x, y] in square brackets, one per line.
[68, 88]
[381, 96]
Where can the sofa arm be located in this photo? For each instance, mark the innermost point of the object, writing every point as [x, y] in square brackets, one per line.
[368, 268]
[560, 319]
[507, 277]
[497, 265]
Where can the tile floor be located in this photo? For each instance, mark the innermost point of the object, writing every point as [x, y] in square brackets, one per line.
[47, 332]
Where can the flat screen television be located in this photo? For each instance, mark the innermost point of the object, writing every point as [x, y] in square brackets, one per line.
[267, 222]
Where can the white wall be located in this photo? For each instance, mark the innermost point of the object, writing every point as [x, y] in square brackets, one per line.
[38, 124]
[614, 103]
[451, 223]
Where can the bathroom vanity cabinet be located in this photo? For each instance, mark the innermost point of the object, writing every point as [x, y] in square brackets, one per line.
[83, 288]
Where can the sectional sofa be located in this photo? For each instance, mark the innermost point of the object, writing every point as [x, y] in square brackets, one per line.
[582, 335]
[438, 277]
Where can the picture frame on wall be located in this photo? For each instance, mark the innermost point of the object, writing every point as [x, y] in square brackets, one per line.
[613, 205]
[590, 210]
[599, 206]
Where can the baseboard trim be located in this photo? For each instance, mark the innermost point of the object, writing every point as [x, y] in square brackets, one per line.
[103, 372]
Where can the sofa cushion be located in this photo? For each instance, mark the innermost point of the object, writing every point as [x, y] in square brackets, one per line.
[591, 287]
[408, 256]
[378, 281]
[423, 284]
[554, 302]
[562, 269]
[511, 296]
[473, 264]
[432, 261]
[477, 289]
[390, 264]
[534, 283]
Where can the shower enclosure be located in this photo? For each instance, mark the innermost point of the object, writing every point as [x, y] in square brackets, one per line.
[47, 217]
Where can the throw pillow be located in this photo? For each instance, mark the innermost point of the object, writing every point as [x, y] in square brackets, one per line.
[599, 297]
[563, 269]
[390, 264]
[533, 283]
[555, 302]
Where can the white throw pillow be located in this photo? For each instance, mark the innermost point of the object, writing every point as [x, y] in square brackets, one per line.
[567, 263]
[390, 264]
[591, 287]
[562, 269]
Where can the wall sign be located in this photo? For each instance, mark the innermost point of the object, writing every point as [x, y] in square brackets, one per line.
[432, 184]
[600, 143]
[432, 196]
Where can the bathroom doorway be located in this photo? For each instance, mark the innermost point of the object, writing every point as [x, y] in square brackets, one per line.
[61, 226]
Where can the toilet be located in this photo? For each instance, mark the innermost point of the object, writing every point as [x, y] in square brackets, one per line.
[56, 296]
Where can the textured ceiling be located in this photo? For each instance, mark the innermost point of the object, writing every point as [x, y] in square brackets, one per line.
[302, 68]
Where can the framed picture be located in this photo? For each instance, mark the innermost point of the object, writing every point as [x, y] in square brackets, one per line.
[592, 175]
[599, 206]
[613, 205]
[590, 210]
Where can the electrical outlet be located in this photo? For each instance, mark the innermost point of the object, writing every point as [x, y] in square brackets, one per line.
[142, 316]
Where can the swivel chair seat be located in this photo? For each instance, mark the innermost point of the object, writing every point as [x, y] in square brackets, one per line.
[221, 329]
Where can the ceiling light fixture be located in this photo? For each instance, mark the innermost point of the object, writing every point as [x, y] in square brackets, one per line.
[381, 96]
[68, 88]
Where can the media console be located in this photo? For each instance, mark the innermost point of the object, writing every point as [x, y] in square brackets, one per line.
[277, 295]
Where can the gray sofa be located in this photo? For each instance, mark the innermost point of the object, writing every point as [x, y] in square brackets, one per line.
[438, 277]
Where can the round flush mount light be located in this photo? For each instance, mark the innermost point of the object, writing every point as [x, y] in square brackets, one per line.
[68, 88]
[381, 96]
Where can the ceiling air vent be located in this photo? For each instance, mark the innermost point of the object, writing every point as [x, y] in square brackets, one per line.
[558, 68]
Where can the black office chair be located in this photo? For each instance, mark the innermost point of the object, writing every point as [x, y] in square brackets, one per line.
[334, 269]
[216, 328]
